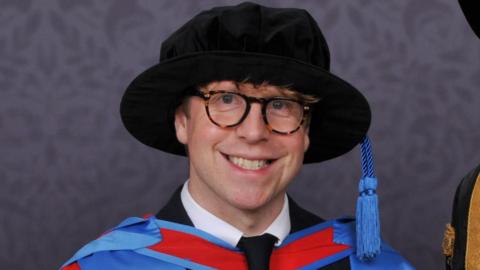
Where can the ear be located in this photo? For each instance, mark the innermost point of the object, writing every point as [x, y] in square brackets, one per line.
[306, 140]
[181, 120]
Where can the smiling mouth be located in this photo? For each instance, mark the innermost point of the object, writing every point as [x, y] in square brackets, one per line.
[249, 164]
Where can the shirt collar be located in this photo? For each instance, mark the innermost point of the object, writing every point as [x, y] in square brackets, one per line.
[206, 221]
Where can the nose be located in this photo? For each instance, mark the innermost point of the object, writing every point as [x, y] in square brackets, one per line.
[253, 128]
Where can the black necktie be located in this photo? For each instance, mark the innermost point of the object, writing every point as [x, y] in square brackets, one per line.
[258, 250]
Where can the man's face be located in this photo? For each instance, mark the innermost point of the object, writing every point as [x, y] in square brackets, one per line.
[245, 167]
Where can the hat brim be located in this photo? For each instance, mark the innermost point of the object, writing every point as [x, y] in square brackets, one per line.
[471, 10]
[338, 122]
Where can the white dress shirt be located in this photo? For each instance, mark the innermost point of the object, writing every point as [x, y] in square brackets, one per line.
[206, 221]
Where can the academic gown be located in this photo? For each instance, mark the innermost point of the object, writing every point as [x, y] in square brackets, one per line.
[169, 241]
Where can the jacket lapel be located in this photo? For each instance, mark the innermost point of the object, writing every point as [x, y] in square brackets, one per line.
[174, 211]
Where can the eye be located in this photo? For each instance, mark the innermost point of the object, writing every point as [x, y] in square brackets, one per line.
[223, 102]
[279, 104]
[224, 98]
[284, 108]
[227, 98]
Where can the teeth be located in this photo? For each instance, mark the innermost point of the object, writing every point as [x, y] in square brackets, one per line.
[247, 163]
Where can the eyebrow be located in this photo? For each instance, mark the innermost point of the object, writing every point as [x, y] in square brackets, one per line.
[283, 92]
[266, 97]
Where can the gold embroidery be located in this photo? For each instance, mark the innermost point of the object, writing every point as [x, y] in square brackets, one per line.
[448, 240]
[472, 257]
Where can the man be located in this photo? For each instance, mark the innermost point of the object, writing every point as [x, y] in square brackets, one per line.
[461, 243]
[245, 92]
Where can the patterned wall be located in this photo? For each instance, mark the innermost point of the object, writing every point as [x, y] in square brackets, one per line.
[69, 170]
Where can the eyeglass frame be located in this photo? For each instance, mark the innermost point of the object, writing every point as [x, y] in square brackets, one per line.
[249, 100]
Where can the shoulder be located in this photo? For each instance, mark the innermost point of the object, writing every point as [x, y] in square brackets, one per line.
[120, 260]
[150, 244]
[120, 244]
[388, 258]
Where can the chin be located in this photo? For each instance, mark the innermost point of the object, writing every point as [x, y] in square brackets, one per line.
[250, 202]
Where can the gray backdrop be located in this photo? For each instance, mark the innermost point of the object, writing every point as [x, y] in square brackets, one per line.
[69, 170]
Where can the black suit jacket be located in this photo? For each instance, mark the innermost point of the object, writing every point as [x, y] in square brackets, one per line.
[299, 219]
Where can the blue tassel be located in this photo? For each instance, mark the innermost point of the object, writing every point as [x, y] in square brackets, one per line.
[368, 221]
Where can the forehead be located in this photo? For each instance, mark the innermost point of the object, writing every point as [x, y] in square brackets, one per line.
[257, 90]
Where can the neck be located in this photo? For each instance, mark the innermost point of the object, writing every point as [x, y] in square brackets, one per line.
[251, 220]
